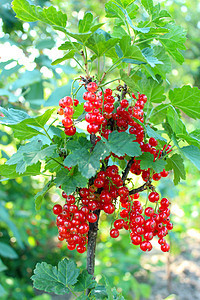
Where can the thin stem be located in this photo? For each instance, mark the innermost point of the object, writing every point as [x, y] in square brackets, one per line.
[127, 169]
[48, 135]
[142, 188]
[101, 85]
[57, 161]
[78, 63]
[52, 123]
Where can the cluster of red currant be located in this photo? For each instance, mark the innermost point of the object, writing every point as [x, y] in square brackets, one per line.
[143, 229]
[108, 187]
[66, 108]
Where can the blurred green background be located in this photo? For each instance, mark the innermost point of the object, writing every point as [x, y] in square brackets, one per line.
[28, 81]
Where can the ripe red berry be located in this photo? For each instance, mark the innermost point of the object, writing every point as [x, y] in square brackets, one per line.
[92, 87]
[57, 209]
[114, 233]
[153, 142]
[153, 197]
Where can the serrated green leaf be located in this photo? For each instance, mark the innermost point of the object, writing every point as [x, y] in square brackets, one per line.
[34, 156]
[193, 154]
[24, 129]
[121, 143]
[31, 13]
[84, 25]
[159, 114]
[154, 134]
[81, 37]
[186, 98]
[162, 56]
[148, 5]
[70, 46]
[52, 279]
[12, 116]
[152, 89]
[85, 281]
[159, 165]
[173, 41]
[69, 180]
[99, 45]
[69, 55]
[7, 251]
[130, 51]
[175, 163]
[146, 160]
[10, 171]
[40, 195]
[150, 58]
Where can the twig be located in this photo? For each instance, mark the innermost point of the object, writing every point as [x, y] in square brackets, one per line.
[142, 188]
[128, 167]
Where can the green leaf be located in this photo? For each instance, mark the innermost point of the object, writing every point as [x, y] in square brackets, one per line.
[99, 45]
[193, 154]
[2, 266]
[12, 116]
[31, 13]
[154, 134]
[40, 195]
[52, 279]
[173, 41]
[186, 98]
[10, 171]
[69, 55]
[81, 37]
[24, 130]
[150, 58]
[99, 292]
[148, 5]
[159, 113]
[69, 180]
[162, 56]
[121, 143]
[7, 251]
[84, 25]
[34, 156]
[85, 281]
[175, 163]
[147, 161]
[70, 46]
[131, 51]
[152, 89]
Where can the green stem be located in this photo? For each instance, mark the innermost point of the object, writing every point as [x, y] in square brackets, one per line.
[78, 63]
[57, 161]
[52, 123]
[101, 85]
[48, 135]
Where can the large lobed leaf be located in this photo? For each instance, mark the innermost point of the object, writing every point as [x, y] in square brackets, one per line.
[187, 99]
[55, 279]
[175, 163]
[32, 13]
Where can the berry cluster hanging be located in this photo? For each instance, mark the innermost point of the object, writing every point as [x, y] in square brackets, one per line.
[108, 192]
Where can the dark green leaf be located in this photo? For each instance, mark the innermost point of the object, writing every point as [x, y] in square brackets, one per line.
[154, 134]
[131, 51]
[69, 180]
[34, 156]
[31, 13]
[186, 98]
[152, 89]
[121, 143]
[175, 163]
[193, 154]
[7, 251]
[52, 279]
[85, 281]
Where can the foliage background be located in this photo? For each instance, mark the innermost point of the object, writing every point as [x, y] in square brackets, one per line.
[29, 81]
